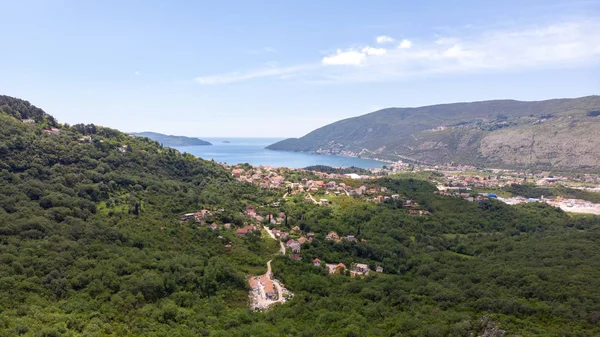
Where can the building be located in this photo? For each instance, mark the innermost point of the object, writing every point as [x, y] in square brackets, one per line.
[244, 230]
[317, 262]
[350, 238]
[253, 283]
[332, 236]
[295, 247]
[336, 268]
[361, 268]
[379, 269]
[268, 285]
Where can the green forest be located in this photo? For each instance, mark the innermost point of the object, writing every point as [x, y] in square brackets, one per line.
[90, 245]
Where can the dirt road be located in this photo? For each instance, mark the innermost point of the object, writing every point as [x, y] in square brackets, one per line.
[281, 245]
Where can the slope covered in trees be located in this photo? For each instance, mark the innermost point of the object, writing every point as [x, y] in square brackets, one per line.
[90, 246]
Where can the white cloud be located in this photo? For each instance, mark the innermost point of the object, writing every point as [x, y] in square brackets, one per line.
[384, 39]
[137, 73]
[568, 44]
[405, 44]
[374, 51]
[277, 72]
[350, 57]
[454, 51]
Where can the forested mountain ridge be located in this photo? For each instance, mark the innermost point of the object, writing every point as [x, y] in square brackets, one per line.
[168, 140]
[557, 133]
[24, 110]
[90, 246]
[87, 223]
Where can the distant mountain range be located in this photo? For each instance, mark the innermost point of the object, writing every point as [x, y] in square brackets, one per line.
[168, 140]
[555, 134]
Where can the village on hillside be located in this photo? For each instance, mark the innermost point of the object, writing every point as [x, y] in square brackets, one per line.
[330, 189]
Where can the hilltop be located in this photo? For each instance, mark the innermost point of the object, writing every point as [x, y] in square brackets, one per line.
[168, 140]
[558, 133]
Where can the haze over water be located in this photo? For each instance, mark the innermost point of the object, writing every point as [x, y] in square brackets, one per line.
[252, 151]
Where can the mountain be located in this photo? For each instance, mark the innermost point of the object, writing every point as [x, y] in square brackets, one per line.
[558, 133]
[168, 140]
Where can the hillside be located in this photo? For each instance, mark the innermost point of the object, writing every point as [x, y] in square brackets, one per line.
[555, 133]
[91, 245]
[168, 140]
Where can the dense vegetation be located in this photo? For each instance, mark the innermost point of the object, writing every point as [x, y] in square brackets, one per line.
[90, 246]
[557, 134]
[338, 170]
[168, 140]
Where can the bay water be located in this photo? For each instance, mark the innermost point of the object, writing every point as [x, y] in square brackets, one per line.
[252, 151]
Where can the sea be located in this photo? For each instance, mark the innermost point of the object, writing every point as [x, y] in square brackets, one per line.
[252, 151]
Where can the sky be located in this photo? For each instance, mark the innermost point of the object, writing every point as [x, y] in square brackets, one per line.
[285, 68]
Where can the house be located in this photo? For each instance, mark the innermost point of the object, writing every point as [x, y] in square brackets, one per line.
[237, 172]
[227, 226]
[302, 240]
[410, 203]
[361, 190]
[350, 238]
[186, 217]
[361, 268]
[296, 229]
[295, 257]
[213, 226]
[244, 230]
[259, 218]
[317, 262]
[332, 236]
[310, 235]
[268, 285]
[28, 121]
[336, 268]
[251, 211]
[418, 212]
[294, 247]
[324, 202]
[253, 283]
[53, 131]
[379, 269]
[203, 214]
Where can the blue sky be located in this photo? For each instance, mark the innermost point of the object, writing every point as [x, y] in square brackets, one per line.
[284, 68]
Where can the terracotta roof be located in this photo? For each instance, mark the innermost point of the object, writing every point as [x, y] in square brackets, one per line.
[253, 282]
